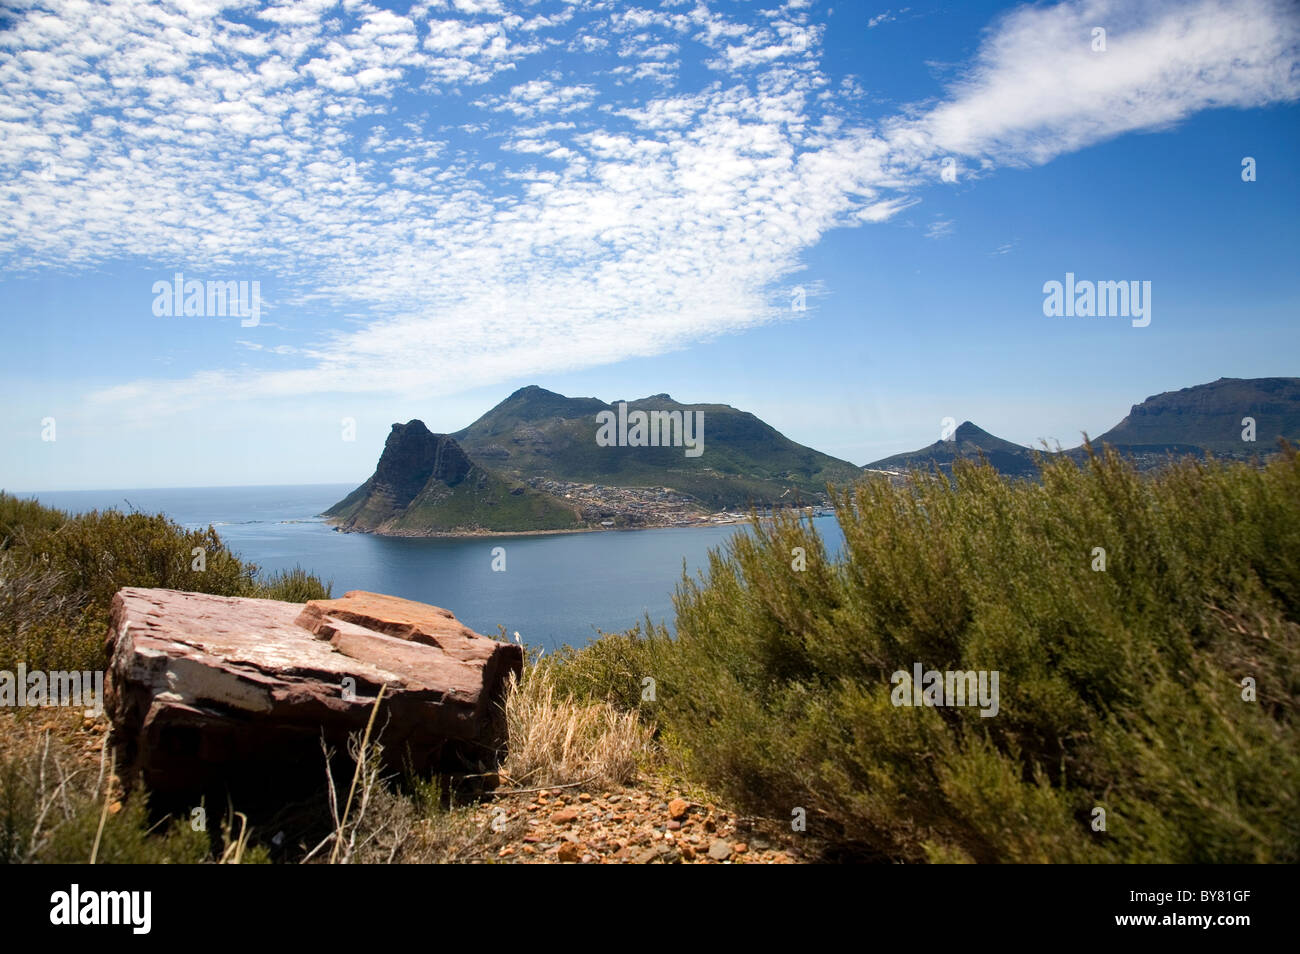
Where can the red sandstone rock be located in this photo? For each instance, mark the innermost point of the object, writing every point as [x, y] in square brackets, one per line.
[203, 688]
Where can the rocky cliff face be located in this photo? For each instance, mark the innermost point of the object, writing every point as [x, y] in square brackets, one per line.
[413, 456]
[1210, 416]
[425, 483]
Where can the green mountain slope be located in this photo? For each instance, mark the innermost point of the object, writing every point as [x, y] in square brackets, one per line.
[425, 483]
[538, 433]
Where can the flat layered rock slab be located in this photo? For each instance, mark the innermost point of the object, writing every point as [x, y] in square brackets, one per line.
[204, 687]
[410, 621]
[404, 619]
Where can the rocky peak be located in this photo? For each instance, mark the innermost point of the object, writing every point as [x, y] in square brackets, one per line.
[413, 455]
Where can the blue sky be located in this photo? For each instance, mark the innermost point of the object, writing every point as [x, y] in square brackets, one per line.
[443, 202]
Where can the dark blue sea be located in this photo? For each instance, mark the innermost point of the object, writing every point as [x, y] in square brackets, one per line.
[556, 589]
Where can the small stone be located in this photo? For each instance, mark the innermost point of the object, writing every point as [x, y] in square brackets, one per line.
[584, 797]
[569, 852]
[564, 816]
[674, 825]
[740, 847]
[719, 850]
[678, 808]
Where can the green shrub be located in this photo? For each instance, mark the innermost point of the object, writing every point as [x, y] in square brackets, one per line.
[19, 517]
[58, 574]
[291, 586]
[1119, 690]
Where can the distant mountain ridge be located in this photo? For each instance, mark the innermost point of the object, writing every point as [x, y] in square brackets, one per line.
[967, 442]
[1205, 418]
[1210, 416]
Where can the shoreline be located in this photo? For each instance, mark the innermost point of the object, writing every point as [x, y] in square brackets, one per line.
[471, 534]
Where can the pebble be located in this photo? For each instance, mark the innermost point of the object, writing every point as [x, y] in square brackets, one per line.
[569, 852]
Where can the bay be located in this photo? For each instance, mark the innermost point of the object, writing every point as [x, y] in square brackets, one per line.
[556, 589]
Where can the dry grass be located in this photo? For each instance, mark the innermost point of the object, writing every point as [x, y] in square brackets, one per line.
[58, 800]
[557, 741]
[383, 824]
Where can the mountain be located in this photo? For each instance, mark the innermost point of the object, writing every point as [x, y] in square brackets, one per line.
[1206, 418]
[969, 442]
[543, 461]
[425, 483]
[535, 433]
[1209, 417]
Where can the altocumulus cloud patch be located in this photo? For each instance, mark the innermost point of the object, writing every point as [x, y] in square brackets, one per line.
[515, 189]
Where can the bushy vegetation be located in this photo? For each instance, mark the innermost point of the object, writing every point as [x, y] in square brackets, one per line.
[58, 574]
[1120, 689]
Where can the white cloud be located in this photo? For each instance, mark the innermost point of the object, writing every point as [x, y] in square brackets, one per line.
[550, 223]
[887, 17]
[939, 228]
[1039, 89]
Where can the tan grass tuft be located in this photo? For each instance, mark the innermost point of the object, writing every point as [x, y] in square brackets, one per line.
[556, 741]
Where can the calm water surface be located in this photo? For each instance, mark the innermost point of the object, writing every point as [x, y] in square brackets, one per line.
[556, 589]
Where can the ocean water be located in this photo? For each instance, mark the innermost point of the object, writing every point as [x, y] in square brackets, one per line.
[556, 589]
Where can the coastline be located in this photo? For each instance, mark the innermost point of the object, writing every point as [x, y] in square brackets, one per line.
[471, 534]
